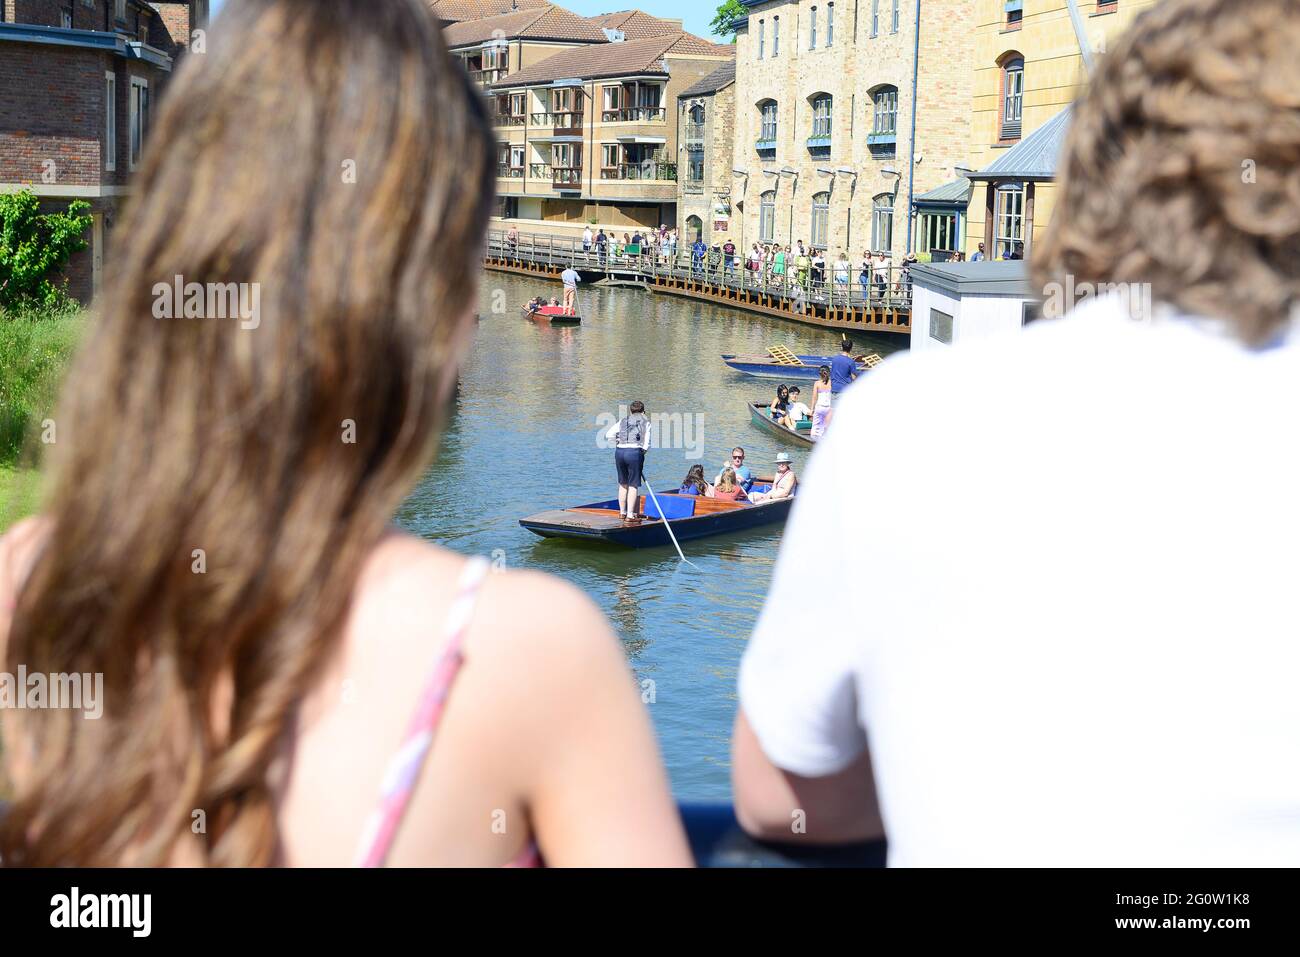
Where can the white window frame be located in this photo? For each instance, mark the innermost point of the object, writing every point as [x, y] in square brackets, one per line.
[895, 30]
[885, 103]
[819, 222]
[110, 121]
[830, 24]
[875, 18]
[882, 220]
[137, 121]
[823, 106]
[1010, 212]
[812, 31]
[776, 37]
[769, 109]
[762, 37]
[767, 216]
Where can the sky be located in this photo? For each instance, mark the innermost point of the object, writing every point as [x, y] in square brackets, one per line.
[695, 13]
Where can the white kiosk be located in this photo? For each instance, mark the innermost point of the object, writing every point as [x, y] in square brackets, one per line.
[958, 302]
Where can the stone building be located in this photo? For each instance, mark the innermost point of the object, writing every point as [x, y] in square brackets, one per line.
[1028, 66]
[846, 112]
[705, 132]
[79, 80]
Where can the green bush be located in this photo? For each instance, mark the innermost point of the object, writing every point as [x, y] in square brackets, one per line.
[35, 345]
[34, 248]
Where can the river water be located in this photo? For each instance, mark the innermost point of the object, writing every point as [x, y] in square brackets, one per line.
[525, 437]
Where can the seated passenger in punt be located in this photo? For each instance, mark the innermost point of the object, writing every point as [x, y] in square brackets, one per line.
[797, 415]
[694, 483]
[728, 488]
[783, 485]
[737, 464]
[781, 404]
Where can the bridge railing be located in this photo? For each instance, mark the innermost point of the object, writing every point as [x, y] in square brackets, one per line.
[833, 285]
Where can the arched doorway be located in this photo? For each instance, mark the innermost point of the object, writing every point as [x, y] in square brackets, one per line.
[694, 229]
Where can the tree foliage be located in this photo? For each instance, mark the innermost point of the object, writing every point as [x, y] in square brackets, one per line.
[721, 25]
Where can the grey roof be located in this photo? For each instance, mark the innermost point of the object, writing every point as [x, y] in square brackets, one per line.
[715, 81]
[958, 191]
[1033, 158]
[998, 278]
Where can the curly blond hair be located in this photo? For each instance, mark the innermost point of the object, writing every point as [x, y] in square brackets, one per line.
[1182, 165]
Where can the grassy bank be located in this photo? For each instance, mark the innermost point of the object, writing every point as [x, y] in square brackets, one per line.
[35, 346]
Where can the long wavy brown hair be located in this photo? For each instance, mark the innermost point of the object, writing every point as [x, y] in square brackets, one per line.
[1182, 166]
[216, 487]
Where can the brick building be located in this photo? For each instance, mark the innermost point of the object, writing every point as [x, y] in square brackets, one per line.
[846, 112]
[78, 83]
[706, 129]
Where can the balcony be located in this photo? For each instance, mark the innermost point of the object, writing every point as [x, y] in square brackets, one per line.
[509, 119]
[635, 114]
[566, 177]
[694, 133]
[650, 170]
[490, 75]
[562, 124]
[539, 170]
[505, 171]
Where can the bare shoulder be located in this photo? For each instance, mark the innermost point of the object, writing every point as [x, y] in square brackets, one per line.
[528, 617]
[18, 550]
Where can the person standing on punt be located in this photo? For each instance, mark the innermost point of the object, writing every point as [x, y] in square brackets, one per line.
[1085, 655]
[631, 435]
[843, 369]
[328, 689]
[821, 402]
[570, 279]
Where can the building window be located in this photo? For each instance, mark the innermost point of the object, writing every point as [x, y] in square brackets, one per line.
[882, 223]
[940, 326]
[776, 36]
[895, 16]
[139, 117]
[875, 17]
[1011, 220]
[812, 35]
[830, 24]
[609, 156]
[762, 39]
[938, 232]
[65, 19]
[821, 218]
[885, 101]
[110, 122]
[694, 229]
[821, 113]
[1015, 13]
[611, 102]
[1013, 97]
[695, 166]
[119, 11]
[767, 216]
[1107, 6]
[697, 115]
[767, 127]
[517, 159]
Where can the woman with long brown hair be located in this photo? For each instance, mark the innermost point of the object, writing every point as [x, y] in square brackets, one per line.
[275, 659]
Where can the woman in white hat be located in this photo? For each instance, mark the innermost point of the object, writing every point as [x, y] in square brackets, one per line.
[783, 485]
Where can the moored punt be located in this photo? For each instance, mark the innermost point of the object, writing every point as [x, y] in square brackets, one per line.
[690, 516]
[554, 315]
[758, 412]
[766, 367]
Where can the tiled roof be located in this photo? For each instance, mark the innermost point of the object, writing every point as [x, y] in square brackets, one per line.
[453, 11]
[1033, 158]
[636, 25]
[715, 81]
[540, 23]
[611, 59]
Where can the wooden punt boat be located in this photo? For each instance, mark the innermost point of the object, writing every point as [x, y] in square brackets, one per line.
[690, 516]
[550, 315]
[759, 414]
[768, 367]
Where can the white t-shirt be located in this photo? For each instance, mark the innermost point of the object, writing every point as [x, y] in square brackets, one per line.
[1073, 637]
[799, 411]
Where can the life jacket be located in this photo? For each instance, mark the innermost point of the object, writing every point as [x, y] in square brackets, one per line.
[631, 431]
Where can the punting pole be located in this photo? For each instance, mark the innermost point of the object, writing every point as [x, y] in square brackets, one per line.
[667, 524]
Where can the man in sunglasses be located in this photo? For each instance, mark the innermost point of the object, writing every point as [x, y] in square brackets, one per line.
[737, 462]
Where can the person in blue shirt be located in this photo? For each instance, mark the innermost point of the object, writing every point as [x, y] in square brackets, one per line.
[694, 483]
[737, 464]
[698, 252]
[843, 369]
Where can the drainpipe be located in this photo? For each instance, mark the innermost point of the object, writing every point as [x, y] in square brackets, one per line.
[911, 166]
[1080, 34]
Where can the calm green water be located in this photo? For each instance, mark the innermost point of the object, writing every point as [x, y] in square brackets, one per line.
[525, 438]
